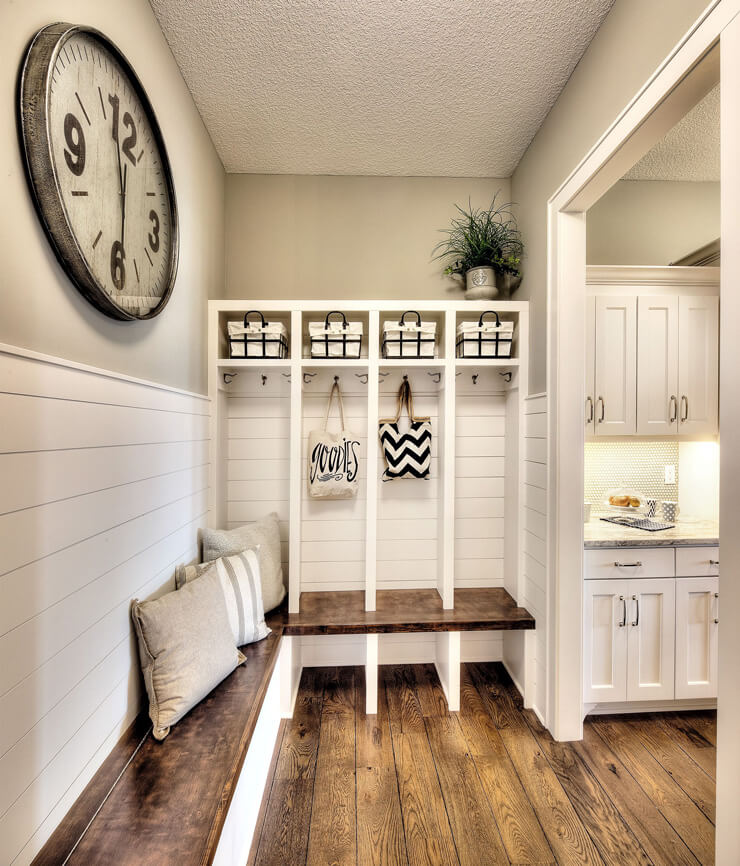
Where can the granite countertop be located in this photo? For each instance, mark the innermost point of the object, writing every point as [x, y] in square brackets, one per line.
[700, 533]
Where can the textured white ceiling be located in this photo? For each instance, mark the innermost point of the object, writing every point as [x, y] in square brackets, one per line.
[689, 151]
[393, 87]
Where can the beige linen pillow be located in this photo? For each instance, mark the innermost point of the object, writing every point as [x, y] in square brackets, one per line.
[240, 583]
[264, 533]
[186, 647]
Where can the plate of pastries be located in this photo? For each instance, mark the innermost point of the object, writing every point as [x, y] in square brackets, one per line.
[624, 499]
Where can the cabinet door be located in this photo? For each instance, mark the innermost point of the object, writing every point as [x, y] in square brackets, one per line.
[657, 365]
[698, 365]
[605, 641]
[651, 627]
[590, 407]
[616, 366]
[697, 616]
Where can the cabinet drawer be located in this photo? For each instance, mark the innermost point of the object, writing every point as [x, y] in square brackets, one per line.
[653, 562]
[697, 561]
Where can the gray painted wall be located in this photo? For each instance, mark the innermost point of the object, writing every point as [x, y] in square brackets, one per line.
[39, 307]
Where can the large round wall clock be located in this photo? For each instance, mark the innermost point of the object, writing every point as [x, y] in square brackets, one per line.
[99, 172]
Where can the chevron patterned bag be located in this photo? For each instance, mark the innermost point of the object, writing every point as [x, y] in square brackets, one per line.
[407, 455]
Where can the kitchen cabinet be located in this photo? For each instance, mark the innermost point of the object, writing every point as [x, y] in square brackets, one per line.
[697, 622]
[629, 630]
[677, 365]
[657, 365]
[698, 365]
[612, 344]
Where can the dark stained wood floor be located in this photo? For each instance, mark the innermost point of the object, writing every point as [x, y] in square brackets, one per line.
[488, 785]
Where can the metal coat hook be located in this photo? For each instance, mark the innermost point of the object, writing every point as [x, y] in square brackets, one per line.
[264, 380]
[459, 373]
[307, 377]
[381, 377]
[436, 375]
[336, 380]
[507, 375]
[286, 375]
[362, 377]
[475, 378]
[229, 378]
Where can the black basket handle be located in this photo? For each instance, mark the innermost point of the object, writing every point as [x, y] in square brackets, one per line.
[249, 313]
[489, 313]
[336, 313]
[402, 320]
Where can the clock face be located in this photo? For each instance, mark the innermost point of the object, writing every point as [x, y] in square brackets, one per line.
[99, 171]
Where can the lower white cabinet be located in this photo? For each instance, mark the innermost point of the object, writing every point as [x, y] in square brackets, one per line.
[630, 640]
[697, 622]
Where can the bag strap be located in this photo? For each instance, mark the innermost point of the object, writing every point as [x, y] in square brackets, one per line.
[334, 388]
[405, 398]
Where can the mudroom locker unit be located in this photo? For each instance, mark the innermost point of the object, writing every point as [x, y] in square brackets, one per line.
[409, 570]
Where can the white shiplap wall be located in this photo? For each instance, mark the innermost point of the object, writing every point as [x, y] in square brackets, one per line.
[535, 537]
[104, 488]
[333, 533]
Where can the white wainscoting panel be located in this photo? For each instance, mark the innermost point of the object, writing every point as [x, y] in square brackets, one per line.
[535, 537]
[104, 489]
[480, 451]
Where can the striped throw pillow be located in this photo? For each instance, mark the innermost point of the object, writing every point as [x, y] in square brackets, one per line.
[239, 576]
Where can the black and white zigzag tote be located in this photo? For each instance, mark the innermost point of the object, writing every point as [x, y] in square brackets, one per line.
[407, 455]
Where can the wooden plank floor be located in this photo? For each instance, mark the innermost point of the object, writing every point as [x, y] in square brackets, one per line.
[418, 786]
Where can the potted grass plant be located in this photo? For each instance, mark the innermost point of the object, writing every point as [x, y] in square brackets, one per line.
[484, 247]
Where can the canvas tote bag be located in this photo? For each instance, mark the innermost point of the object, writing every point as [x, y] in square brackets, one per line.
[333, 458]
[407, 455]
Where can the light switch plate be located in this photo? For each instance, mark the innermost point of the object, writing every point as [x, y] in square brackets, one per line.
[670, 473]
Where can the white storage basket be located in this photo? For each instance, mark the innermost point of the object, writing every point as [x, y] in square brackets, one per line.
[484, 339]
[405, 340]
[257, 339]
[335, 339]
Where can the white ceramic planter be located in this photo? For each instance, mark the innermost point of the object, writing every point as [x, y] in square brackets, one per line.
[480, 284]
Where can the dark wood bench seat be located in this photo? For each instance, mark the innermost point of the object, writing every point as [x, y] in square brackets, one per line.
[401, 610]
[166, 803]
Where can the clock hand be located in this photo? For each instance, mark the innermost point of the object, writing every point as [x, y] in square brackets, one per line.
[123, 205]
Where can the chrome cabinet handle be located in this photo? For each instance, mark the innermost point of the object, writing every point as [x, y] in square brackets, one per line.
[624, 612]
[637, 564]
[603, 409]
[590, 418]
[637, 610]
[716, 596]
[684, 408]
[673, 409]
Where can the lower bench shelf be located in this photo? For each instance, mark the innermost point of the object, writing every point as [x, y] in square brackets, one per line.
[402, 610]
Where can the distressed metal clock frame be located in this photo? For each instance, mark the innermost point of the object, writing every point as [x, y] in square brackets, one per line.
[34, 87]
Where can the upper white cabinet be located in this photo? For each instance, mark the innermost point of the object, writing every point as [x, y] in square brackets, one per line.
[657, 365]
[677, 365]
[698, 365]
[615, 366]
[652, 361]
